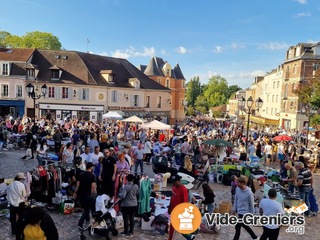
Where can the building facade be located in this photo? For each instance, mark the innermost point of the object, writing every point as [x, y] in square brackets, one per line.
[161, 72]
[85, 86]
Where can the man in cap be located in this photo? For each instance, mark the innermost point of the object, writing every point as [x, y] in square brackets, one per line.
[179, 195]
[17, 195]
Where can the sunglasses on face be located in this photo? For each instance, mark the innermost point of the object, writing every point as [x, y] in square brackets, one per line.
[106, 152]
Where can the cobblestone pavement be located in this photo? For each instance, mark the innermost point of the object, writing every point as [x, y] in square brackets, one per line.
[10, 164]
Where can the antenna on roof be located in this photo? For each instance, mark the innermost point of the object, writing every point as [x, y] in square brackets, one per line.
[88, 41]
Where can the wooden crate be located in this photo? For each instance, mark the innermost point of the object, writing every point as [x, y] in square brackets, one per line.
[225, 207]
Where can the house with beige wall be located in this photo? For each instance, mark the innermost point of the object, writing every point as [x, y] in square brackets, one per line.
[82, 85]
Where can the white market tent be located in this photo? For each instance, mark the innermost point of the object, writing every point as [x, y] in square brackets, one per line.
[112, 115]
[134, 119]
[156, 125]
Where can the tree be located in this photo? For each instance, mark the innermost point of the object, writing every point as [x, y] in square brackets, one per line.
[193, 91]
[201, 104]
[216, 92]
[41, 40]
[3, 38]
[232, 90]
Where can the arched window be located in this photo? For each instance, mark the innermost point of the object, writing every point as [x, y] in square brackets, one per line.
[285, 91]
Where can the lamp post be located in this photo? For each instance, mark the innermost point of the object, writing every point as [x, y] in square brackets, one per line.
[242, 102]
[32, 94]
[309, 111]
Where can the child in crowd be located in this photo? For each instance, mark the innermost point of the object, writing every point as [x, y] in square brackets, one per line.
[233, 187]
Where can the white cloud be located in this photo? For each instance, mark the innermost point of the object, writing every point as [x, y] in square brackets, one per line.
[132, 52]
[182, 50]
[301, 1]
[217, 49]
[303, 14]
[274, 45]
[237, 45]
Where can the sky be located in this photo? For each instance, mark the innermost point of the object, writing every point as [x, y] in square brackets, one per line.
[236, 39]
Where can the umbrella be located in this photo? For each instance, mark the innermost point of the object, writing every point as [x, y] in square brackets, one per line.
[112, 115]
[281, 138]
[134, 119]
[218, 142]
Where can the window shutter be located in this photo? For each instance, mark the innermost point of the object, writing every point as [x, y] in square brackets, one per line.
[70, 93]
[87, 94]
[138, 102]
[79, 92]
[57, 92]
[115, 96]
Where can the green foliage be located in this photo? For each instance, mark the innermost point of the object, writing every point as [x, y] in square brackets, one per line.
[193, 91]
[314, 120]
[40, 40]
[202, 97]
[217, 114]
[190, 111]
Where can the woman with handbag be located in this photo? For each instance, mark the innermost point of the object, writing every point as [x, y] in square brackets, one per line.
[42, 151]
[129, 204]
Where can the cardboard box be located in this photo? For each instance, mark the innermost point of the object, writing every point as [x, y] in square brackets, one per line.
[147, 225]
[225, 207]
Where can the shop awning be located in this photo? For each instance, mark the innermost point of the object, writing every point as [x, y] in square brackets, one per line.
[140, 114]
[264, 121]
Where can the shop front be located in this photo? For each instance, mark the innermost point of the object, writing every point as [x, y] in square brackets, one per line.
[162, 116]
[64, 111]
[15, 108]
[264, 121]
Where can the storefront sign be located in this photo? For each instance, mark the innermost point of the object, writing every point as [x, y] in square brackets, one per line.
[132, 108]
[71, 107]
[113, 108]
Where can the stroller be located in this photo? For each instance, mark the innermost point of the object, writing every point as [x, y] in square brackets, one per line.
[104, 219]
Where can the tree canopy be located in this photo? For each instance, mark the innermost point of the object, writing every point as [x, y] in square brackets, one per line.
[216, 92]
[36, 39]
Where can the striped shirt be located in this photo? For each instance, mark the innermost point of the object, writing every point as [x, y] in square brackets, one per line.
[305, 175]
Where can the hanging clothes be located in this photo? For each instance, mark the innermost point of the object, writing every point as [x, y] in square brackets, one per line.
[144, 196]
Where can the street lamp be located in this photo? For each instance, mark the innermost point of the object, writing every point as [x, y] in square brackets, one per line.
[242, 103]
[32, 94]
[309, 111]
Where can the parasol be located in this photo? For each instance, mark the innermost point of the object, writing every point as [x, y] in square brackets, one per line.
[219, 143]
[281, 138]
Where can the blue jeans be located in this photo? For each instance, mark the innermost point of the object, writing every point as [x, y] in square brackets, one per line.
[291, 188]
[1, 145]
[304, 192]
[210, 207]
[178, 159]
[138, 163]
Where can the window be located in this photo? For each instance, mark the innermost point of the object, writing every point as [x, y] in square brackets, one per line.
[85, 94]
[54, 74]
[5, 68]
[182, 102]
[135, 100]
[114, 96]
[147, 101]
[286, 91]
[5, 90]
[278, 84]
[267, 98]
[65, 92]
[19, 91]
[266, 110]
[51, 92]
[159, 102]
[271, 111]
[284, 106]
[295, 68]
[272, 98]
[183, 84]
[276, 98]
[167, 83]
[265, 87]
[31, 73]
[274, 85]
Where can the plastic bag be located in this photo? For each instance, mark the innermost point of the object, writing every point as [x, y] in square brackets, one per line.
[28, 152]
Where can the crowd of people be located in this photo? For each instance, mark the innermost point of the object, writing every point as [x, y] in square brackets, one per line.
[101, 151]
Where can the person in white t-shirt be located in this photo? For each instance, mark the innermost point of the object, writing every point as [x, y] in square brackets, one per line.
[268, 152]
[270, 207]
[94, 157]
[86, 155]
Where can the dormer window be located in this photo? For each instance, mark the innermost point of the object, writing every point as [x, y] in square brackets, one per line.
[134, 83]
[167, 69]
[55, 72]
[32, 71]
[108, 75]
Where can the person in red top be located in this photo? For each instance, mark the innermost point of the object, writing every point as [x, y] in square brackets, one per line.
[179, 195]
[162, 137]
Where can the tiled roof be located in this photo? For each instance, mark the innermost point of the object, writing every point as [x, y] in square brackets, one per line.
[155, 66]
[16, 54]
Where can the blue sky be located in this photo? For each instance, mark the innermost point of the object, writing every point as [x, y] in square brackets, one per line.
[237, 39]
